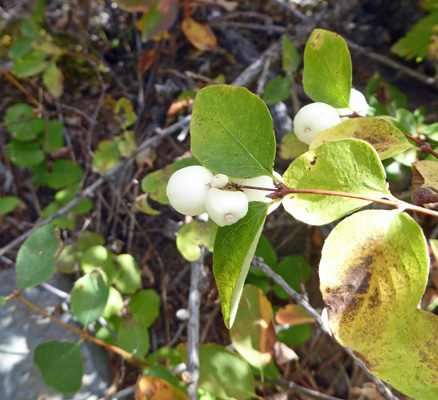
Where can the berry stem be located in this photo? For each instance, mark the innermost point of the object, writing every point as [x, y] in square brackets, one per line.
[423, 145]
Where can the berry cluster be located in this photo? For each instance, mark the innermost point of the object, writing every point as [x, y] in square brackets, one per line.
[317, 117]
[195, 190]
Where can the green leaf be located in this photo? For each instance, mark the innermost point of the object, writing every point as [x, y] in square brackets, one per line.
[21, 47]
[99, 257]
[66, 222]
[223, 373]
[89, 297]
[350, 165]
[145, 306]
[106, 156]
[30, 65]
[89, 239]
[409, 361]
[53, 78]
[60, 364]
[291, 59]
[234, 249]
[8, 204]
[36, 262]
[326, 77]
[165, 355]
[374, 279]
[128, 278]
[54, 138]
[265, 250]
[277, 89]
[416, 43]
[253, 333]
[383, 136]
[64, 173]
[3, 300]
[24, 154]
[114, 303]
[295, 271]
[133, 337]
[291, 146]
[155, 183]
[194, 235]
[25, 131]
[47, 47]
[125, 112]
[296, 335]
[127, 144]
[232, 132]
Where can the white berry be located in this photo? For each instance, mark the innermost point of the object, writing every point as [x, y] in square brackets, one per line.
[263, 181]
[313, 119]
[219, 181]
[187, 189]
[226, 207]
[358, 103]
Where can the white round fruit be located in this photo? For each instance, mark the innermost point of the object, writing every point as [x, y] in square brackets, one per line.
[313, 119]
[263, 181]
[226, 207]
[187, 189]
[358, 103]
[219, 181]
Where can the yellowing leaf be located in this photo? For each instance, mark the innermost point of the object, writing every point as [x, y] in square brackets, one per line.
[54, 80]
[200, 35]
[373, 272]
[383, 136]
[253, 333]
[425, 182]
[293, 314]
[148, 388]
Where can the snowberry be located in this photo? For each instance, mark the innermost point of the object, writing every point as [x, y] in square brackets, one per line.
[263, 181]
[187, 189]
[226, 207]
[358, 103]
[313, 119]
[219, 181]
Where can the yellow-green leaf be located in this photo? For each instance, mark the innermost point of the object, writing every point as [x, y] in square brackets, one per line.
[383, 136]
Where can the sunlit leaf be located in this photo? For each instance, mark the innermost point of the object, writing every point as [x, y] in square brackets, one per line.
[216, 375]
[327, 78]
[350, 165]
[128, 278]
[253, 333]
[383, 136]
[89, 296]
[293, 314]
[232, 132]
[375, 279]
[194, 235]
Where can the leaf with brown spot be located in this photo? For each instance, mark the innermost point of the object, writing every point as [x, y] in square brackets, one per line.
[383, 136]
[200, 35]
[373, 272]
[424, 182]
[293, 314]
[409, 362]
[253, 333]
[148, 388]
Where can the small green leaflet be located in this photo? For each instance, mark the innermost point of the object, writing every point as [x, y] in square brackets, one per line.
[327, 69]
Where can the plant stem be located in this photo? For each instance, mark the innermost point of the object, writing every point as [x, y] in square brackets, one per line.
[282, 190]
[423, 145]
[82, 334]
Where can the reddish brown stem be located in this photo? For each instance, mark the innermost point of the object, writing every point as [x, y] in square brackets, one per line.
[82, 334]
[423, 145]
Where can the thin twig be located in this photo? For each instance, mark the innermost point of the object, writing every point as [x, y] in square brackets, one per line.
[302, 301]
[82, 334]
[192, 372]
[293, 387]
